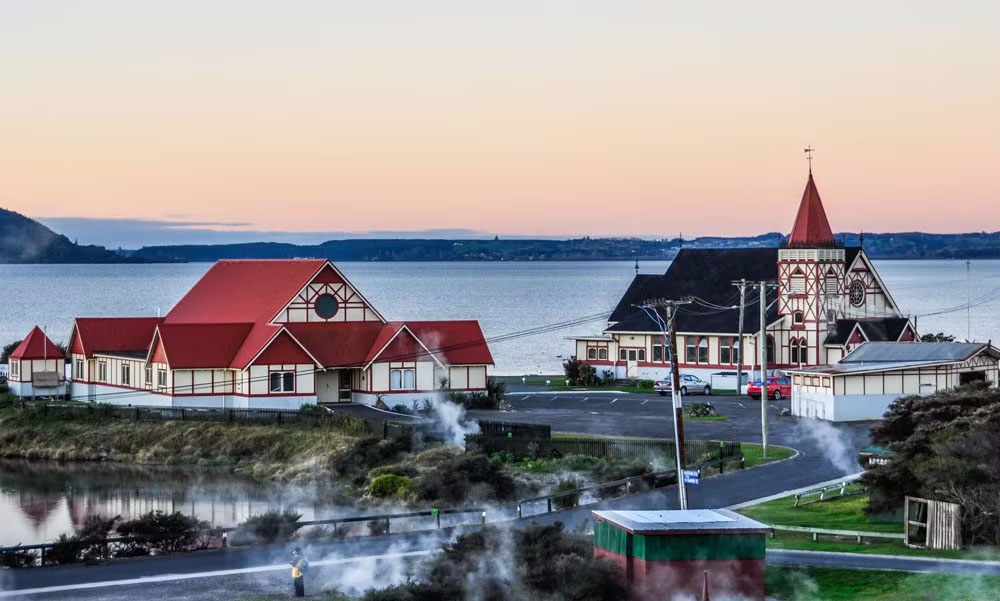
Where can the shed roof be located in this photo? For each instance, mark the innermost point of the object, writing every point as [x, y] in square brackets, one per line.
[112, 334]
[37, 346]
[676, 521]
[872, 352]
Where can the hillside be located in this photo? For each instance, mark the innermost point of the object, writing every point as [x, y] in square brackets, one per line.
[906, 245]
[24, 240]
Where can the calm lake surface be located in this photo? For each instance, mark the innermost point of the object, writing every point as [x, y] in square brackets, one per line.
[39, 501]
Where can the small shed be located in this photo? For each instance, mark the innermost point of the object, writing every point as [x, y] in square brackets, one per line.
[863, 384]
[37, 367]
[664, 554]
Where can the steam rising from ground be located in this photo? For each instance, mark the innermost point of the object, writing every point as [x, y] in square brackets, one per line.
[832, 442]
[449, 418]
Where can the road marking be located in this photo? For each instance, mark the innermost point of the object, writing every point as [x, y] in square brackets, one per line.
[552, 399]
[524, 398]
[584, 399]
[212, 574]
[741, 405]
[644, 402]
[614, 401]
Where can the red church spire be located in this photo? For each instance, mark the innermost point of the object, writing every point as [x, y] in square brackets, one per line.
[811, 229]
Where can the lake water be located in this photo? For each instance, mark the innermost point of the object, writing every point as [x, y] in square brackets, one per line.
[505, 297]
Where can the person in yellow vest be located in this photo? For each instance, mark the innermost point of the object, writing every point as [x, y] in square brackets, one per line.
[299, 568]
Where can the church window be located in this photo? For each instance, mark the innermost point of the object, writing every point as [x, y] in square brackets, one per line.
[592, 353]
[691, 351]
[283, 381]
[797, 283]
[857, 293]
[602, 353]
[795, 351]
[402, 379]
[770, 348]
[703, 351]
[830, 283]
[725, 351]
[326, 306]
[797, 317]
[658, 349]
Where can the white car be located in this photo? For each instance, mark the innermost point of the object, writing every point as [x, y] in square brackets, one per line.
[689, 385]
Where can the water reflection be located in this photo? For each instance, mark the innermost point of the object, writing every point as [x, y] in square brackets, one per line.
[41, 500]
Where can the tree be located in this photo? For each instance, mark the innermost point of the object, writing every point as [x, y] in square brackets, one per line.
[7, 350]
[939, 337]
[946, 447]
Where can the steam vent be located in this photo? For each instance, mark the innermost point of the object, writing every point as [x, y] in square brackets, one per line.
[664, 554]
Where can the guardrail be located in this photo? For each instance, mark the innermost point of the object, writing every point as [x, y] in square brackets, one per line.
[859, 535]
[840, 487]
[105, 546]
[655, 480]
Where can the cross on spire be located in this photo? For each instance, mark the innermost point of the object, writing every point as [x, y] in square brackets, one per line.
[809, 150]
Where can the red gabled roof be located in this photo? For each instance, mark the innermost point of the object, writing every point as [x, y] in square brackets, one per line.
[337, 344]
[244, 291]
[189, 346]
[396, 342]
[111, 334]
[37, 346]
[454, 342]
[259, 336]
[811, 228]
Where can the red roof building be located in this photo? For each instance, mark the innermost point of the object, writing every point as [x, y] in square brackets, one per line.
[275, 334]
[811, 228]
[37, 367]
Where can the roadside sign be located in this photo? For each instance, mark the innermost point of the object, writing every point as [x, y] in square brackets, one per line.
[692, 477]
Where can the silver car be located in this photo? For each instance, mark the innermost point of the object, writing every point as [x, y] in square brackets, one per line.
[689, 385]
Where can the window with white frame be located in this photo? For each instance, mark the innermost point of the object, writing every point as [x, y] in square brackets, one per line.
[15, 369]
[691, 350]
[602, 353]
[797, 317]
[622, 354]
[102, 371]
[78, 369]
[797, 283]
[592, 352]
[402, 379]
[282, 381]
[703, 351]
[149, 377]
[725, 351]
[126, 374]
[161, 378]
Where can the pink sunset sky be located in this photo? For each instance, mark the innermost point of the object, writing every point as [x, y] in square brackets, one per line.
[529, 117]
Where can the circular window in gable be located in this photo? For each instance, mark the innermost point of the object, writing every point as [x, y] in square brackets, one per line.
[326, 306]
[857, 292]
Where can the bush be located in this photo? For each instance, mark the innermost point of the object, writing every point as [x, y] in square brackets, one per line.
[269, 527]
[399, 470]
[365, 454]
[401, 408]
[496, 389]
[646, 384]
[312, 409]
[579, 373]
[17, 559]
[699, 410]
[65, 550]
[168, 532]
[390, 486]
[567, 501]
[460, 478]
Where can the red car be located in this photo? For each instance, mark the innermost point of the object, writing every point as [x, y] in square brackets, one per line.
[778, 387]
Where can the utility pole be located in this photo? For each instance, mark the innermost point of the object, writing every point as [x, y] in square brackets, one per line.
[762, 353]
[968, 304]
[742, 285]
[669, 307]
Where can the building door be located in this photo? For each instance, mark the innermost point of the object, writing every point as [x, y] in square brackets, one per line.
[327, 386]
[345, 386]
[632, 365]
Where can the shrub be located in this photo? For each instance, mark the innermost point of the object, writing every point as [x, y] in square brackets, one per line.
[390, 485]
[496, 389]
[365, 454]
[699, 410]
[401, 408]
[378, 527]
[312, 409]
[399, 470]
[645, 384]
[579, 373]
[168, 532]
[269, 527]
[65, 550]
[607, 377]
[17, 559]
[567, 501]
[460, 477]
[474, 400]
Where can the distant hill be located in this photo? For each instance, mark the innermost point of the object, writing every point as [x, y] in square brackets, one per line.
[24, 240]
[906, 245]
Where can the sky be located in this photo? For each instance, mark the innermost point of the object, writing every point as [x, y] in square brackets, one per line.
[545, 118]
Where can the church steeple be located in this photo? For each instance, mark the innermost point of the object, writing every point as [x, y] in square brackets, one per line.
[811, 228]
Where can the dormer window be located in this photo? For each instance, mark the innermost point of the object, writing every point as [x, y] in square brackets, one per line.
[797, 318]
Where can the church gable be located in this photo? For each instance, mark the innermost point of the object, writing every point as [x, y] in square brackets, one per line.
[866, 294]
[328, 297]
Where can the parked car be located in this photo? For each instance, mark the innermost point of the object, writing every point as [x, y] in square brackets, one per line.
[689, 385]
[778, 387]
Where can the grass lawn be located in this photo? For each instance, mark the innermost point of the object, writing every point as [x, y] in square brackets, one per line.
[754, 453]
[803, 542]
[834, 584]
[838, 513]
[706, 418]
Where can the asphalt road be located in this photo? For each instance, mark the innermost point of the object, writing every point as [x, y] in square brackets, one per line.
[826, 452]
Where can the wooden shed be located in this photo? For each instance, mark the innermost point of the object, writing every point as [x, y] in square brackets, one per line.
[664, 554]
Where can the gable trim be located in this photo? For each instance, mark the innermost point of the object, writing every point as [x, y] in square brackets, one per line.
[394, 336]
[861, 256]
[271, 340]
[328, 263]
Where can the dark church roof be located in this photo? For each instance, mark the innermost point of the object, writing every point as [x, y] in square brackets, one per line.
[707, 274]
[887, 329]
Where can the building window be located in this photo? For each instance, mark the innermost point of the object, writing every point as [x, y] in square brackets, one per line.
[602, 353]
[726, 351]
[797, 284]
[402, 379]
[282, 381]
[591, 353]
[736, 351]
[78, 369]
[126, 374]
[857, 293]
[102, 371]
[622, 355]
[690, 351]
[770, 349]
[830, 283]
[149, 376]
[161, 378]
[703, 351]
[659, 349]
[642, 354]
[795, 351]
[797, 317]
[15, 369]
[326, 306]
[632, 354]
